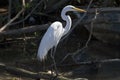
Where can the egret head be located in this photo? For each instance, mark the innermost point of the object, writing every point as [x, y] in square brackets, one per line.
[72, 8]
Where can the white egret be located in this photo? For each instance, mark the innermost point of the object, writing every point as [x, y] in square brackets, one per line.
[54, 33]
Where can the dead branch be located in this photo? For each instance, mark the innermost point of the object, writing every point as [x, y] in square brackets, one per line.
[89, 62]
[6, 25]
[34, 28]
[9, 10]
[21, 11]
[78, 21]
[26, 17]
[29, 29]
[91, 30]
[45, 26]
[105, 10]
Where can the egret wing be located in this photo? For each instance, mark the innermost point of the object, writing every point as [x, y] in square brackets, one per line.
[49, 40]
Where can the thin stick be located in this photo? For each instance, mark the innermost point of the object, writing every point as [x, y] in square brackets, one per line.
[89, 62]
[77, 21]
[91, 30]
[6, 25]
[86, 45]
[9, 10]
[23, 24]
[29, 13]
[72, 30]
[23, 9]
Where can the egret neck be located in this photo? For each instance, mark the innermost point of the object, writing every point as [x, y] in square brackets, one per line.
[68, 20]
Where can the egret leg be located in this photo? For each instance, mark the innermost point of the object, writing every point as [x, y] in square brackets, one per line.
[54, 63]
[51, 54]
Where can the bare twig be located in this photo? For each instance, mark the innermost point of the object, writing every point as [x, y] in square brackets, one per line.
[73, 29]
[23, 9]
[86, 45]
[6, 25]
[91, 30]
[34, 28]
[9, 10]
[78, 21]
[23, 14]
[23, 3]
[29, 29]
[89, 62]
[29, 13]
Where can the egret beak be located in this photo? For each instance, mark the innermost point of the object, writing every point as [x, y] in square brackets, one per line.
[80, 10]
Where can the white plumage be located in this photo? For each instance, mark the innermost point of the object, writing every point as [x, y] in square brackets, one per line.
[54, 33]
[50, 39]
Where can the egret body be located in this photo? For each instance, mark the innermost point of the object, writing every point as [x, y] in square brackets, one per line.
[54, 33]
